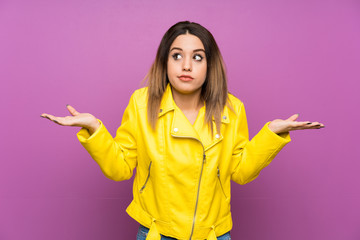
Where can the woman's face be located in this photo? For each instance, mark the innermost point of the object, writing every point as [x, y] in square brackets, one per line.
[187, 65]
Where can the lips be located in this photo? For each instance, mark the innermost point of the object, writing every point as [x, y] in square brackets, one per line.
[185, 78]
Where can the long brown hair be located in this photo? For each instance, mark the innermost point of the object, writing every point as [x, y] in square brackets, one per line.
[214, 90]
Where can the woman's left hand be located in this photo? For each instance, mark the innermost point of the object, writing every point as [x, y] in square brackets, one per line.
[282, 126]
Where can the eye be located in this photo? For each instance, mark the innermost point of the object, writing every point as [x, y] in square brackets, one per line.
[198, 57]
[176, 56]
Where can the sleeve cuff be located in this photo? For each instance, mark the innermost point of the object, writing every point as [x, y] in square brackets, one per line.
[282, 137]
[84, 135]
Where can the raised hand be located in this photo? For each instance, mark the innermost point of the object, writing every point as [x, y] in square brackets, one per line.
[282, 126]
[84, 120]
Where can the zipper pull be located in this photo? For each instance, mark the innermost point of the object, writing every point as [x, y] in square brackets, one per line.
[147, 179]
[218, 172]
[204, 158]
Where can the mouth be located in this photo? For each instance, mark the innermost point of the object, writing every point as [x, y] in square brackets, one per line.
[185, 78]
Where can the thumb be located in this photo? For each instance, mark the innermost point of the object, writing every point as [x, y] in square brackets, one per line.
[293, 117]
[72, 110]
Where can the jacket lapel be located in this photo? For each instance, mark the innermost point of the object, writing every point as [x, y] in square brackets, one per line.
[209, 140]
[180, 126]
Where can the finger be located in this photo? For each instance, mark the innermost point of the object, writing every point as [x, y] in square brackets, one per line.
[72, 110]
[314, 126]
[306, 124]
[55, 121]
[317, 126]
[48, 116]
[52, 118]
[296, 124]
[293, 117]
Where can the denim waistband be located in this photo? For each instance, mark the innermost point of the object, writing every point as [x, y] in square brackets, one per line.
[143, 231]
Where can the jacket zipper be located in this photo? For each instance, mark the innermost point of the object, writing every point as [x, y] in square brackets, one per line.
[197, 196]
[147, 179]
[198, 191]
[218, 174]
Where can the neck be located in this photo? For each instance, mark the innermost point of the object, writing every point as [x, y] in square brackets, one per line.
[188, 102]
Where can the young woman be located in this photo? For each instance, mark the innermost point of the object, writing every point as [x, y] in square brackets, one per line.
[187, 137]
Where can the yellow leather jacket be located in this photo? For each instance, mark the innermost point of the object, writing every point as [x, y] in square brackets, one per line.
[182, 184]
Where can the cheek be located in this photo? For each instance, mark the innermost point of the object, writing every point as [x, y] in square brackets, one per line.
[204, 71]
[170, 69]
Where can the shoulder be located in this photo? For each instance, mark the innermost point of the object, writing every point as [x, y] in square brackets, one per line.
[235, 103]
[139, 97]
[235, 110]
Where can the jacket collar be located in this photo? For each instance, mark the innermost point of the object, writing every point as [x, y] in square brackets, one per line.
[224, 116]
[168, 104]
[181, 127]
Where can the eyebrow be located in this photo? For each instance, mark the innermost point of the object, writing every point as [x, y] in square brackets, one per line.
[196, 50]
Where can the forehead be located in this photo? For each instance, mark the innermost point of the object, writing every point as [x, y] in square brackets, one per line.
[187, 42]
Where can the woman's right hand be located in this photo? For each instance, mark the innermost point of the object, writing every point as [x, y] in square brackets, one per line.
[84, 120]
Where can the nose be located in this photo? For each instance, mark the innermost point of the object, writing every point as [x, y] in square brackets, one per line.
[187, 64]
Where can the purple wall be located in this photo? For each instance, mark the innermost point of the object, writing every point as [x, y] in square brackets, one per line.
[283, 57]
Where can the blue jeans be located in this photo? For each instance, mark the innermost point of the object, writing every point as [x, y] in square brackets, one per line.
[143, 231]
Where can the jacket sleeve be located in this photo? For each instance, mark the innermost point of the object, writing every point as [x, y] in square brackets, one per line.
[117, 157]
[250, 157]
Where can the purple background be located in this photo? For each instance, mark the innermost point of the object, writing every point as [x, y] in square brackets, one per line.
[283, 57]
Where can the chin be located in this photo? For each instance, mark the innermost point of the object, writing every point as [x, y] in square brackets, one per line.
[187, 91]
[185, 88]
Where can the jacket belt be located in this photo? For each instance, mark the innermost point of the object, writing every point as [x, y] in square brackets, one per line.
[221, 227]
[153, 232]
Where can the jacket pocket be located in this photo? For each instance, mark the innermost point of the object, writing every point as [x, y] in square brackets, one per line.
[221, 186]
[147, 179]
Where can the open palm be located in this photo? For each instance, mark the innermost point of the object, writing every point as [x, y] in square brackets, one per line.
[281, 126]
[84, 120]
